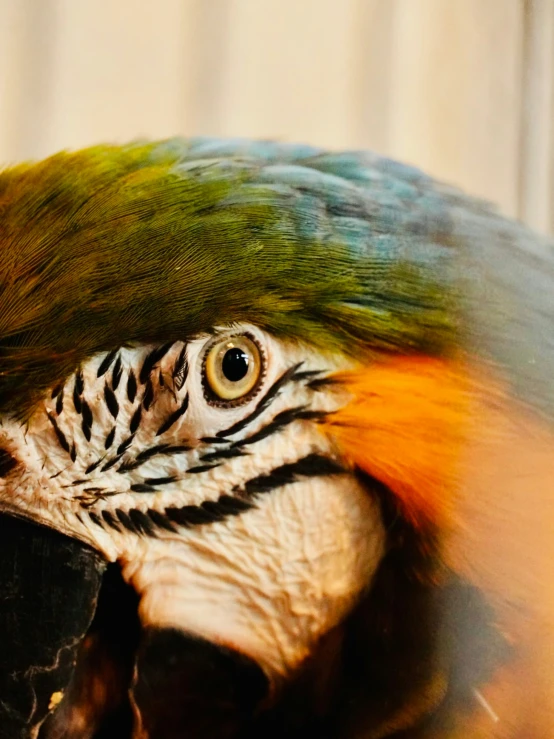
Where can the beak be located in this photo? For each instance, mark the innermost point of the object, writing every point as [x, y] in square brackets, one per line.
[183, 682]
[72, 653]
[50, 585]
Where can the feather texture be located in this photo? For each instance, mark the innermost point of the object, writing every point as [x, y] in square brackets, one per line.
[435, 294]
[160, 241]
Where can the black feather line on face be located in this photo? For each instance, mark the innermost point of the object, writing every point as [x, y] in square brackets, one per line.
[131, 387]
[87, 414]
[321, 383]
[87, 421]
[96, 519]
[213, 440]
[282, 419]
[110, 520]
[135, 420]
[307, 375]
[125, 444]
[94, 465]
[213, 508]
[111, 401]
[223, 454]
[201, 468]
[109, 439]
[263, 403]
[148, 395]
[105, 363]
[313, 465]
[233, 506]
[141, 487]
[174, 417]
[116, 374]
[77, 400]
[160, 480]
[161, 521]
[151, 359]
[180, 369]
[59, 433]
[162, 449]
[142, 522]
[79, 382]
[112, 462]
[191, 515]
[126, 521]
[57, 390]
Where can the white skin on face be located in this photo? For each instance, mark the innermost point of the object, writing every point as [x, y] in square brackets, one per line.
[269, 580]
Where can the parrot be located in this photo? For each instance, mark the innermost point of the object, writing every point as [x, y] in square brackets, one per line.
[276, 449]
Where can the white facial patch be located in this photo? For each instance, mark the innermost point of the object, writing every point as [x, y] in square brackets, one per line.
[270, 582]
[235, 521]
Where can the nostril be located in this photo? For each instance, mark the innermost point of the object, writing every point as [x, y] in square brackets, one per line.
[188, 686]
[7, 462]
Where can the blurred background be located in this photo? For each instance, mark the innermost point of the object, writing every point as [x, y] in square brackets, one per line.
[462, 88]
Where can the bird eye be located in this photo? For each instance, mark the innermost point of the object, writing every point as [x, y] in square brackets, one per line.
[232, 368]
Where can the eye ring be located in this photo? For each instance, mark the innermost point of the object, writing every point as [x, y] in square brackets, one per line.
[233, 369]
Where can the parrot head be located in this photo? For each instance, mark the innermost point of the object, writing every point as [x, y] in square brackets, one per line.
[237, 384]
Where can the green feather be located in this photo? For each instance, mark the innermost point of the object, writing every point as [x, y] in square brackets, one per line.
[161, 241]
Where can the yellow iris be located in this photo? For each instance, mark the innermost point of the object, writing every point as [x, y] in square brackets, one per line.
[232, 367]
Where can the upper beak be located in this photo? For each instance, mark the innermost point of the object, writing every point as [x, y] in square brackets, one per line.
[50, 584]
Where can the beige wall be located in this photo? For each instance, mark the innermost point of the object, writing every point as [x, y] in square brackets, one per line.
[463, 88]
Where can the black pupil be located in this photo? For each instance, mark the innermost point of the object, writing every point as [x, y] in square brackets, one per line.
[235, 364]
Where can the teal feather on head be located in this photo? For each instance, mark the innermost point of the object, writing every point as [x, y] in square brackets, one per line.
[159, 241]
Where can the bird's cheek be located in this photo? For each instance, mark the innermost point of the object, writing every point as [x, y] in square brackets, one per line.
[255, 593]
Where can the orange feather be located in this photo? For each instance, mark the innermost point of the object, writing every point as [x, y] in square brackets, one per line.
[463, 455]
[406, 426]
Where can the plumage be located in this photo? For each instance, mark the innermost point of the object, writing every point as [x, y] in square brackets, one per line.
[395, 453]
[346, 249]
